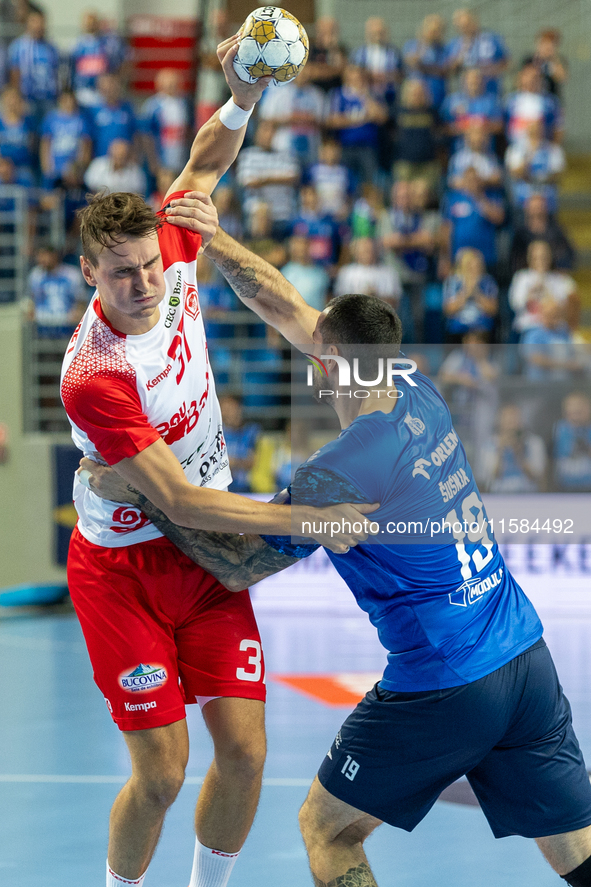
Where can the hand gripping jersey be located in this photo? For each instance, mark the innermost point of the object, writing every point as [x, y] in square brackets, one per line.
[122, 393]
[444, 603]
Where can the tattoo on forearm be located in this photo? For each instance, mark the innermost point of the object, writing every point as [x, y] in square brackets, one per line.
[243, 281]
[358, 876]
[237, 561]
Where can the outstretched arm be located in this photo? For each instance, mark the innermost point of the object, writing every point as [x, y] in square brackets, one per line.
[216, 147]
[258, 284]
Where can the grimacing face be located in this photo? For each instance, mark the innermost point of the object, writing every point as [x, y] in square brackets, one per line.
[130, 281]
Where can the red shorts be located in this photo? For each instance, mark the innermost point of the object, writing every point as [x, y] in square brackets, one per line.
[161, 631]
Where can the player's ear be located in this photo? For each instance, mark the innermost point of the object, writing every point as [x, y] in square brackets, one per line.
[87, 271]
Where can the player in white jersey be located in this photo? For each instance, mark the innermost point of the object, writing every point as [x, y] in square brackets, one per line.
[138, 389]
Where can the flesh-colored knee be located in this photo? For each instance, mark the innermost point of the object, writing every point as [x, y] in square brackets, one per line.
[160, 789]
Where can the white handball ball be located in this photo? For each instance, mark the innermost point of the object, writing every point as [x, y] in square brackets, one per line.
[272, 43]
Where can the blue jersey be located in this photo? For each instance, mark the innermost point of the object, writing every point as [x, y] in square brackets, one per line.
[343, 101]
[16, 141]
[433, 66]
[572, 456]
[110, 122]
[469, 225]
[448, 613]
[65, 132]
[91, 59]
[37, 62]
[484, 49]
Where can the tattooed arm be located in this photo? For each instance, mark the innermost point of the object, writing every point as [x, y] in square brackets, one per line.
[237, 561]
[263, 289]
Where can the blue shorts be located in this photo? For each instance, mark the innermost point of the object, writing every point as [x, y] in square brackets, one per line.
[510, 733]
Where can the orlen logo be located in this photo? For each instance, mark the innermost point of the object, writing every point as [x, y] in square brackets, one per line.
[144, 677]
[191, 300]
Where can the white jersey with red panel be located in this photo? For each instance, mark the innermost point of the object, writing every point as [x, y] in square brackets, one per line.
[122, 393]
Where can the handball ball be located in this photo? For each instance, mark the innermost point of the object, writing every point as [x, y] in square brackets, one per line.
[272, 43]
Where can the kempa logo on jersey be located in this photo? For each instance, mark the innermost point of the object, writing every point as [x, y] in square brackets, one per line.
[473, 589]
[141, 706]
[159, 378]
[144, 677]
[384, 376]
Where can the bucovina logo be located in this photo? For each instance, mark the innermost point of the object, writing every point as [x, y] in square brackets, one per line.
[144, 677]
[386, 371]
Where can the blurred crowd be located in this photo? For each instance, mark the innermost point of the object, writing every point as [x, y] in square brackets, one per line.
[426, 174]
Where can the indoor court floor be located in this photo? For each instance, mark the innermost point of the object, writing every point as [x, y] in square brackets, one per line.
[63, 761]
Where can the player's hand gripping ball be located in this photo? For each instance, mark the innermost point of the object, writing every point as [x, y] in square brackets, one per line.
[272, 44]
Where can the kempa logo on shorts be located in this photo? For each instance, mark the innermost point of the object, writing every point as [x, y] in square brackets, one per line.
[144, 677]
[473, 589]
[141, 706]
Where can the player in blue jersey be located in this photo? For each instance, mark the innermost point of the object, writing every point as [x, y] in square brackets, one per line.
[469, 686]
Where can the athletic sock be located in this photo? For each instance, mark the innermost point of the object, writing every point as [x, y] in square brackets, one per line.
[114, 880]
[211, 868]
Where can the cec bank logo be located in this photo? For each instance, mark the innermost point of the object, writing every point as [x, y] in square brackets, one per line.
[386, 370]
[144, 677]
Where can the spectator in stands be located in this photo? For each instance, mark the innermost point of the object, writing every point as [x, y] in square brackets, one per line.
[552, 66]
[407, 240]
[34, 66]
[416, 134]
[517, 459]
[113, 118]
[328, 57]
[17, 135]
[165, 123]
[475, 153]
[471, 373]
[572, 444]
[470, 297]
[261, 240]
[297, 110]
[534, 165]
[426, 56]
[475, 48]
[65, 139]
[95, 53]
[229, 217]
[321, 231]
[356, 116]
[57, 294]
[118, 171]
[241, 439]
[365, 274]
[471, 218]
[547, 349]
[270, 177]
[310, 279]
[530, 103]
[538, 224]
[332, 180]
[380, 59]
[471, 104]
[366, 212]
[537, 282]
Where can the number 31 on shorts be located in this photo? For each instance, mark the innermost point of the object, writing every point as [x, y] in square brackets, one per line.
[254, 662]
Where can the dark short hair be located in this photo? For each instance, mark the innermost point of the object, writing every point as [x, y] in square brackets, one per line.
[355, 320]
[112, 218]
